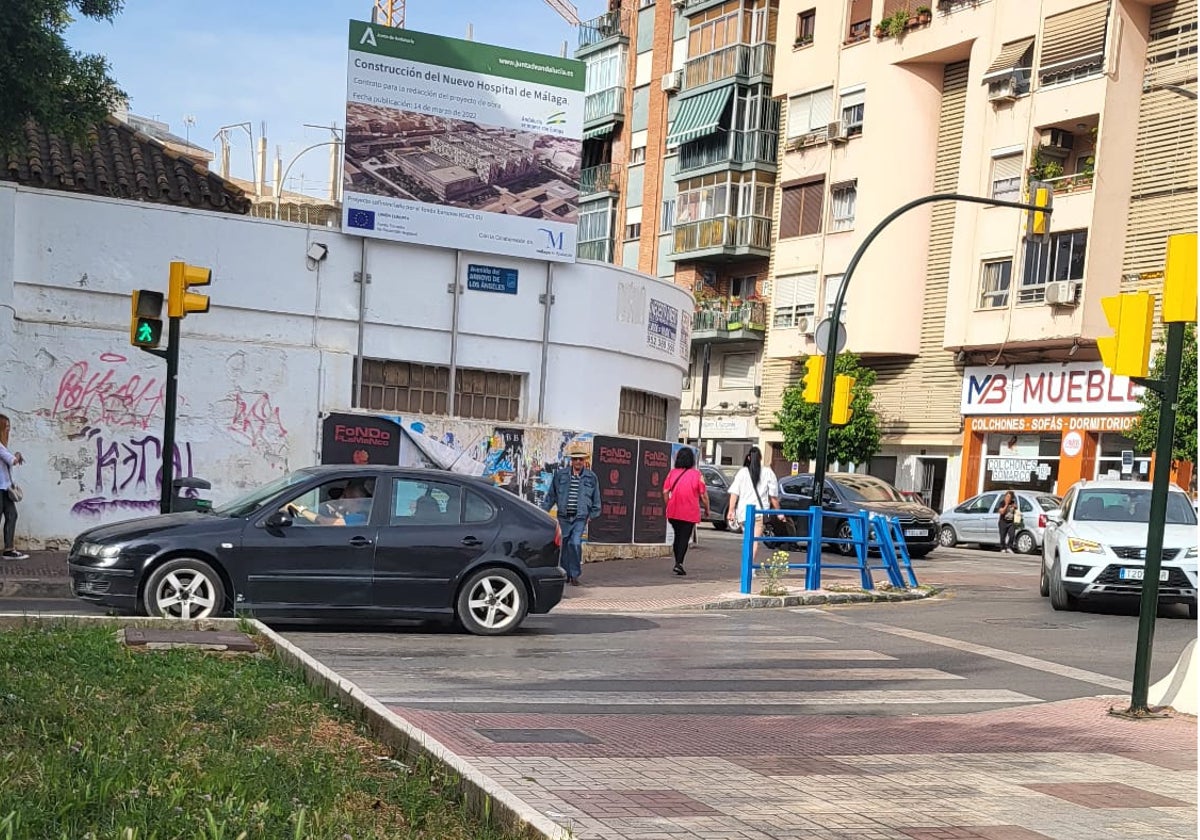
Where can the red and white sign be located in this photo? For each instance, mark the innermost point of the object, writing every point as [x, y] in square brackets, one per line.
[1075, 388]
[1072, 444]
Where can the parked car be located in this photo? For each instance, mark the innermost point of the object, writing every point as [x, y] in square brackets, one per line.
[977, 520]
[1096, 545]
[854, 492]
[415, 544]
[718, 480]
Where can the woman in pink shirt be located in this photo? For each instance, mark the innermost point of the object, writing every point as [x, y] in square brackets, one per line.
[685, 493]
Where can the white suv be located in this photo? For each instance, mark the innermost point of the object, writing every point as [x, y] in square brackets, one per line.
[1095, 544]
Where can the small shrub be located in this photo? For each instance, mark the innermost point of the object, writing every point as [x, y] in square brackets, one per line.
[774, 569]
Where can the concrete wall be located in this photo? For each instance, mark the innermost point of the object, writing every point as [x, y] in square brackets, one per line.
[276, 351]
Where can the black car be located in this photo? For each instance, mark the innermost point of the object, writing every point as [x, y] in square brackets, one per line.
[717, 481]
[338, 543]
[853, 492]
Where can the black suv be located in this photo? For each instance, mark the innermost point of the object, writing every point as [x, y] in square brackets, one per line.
[853, 492]
[718, 480]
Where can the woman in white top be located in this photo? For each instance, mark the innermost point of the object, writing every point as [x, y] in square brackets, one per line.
[755, 485]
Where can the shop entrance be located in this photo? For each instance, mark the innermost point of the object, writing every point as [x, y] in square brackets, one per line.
[931, 481]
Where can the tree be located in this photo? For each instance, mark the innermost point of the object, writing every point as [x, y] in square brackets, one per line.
[855, 442]
[1145, 428]
[61, 89]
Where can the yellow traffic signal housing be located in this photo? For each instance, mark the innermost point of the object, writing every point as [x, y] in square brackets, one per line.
[813, 378]
[843, 388]
[1179, 279]
[1038, 223]
[1127, 351]
[179, 300]
[145, 318]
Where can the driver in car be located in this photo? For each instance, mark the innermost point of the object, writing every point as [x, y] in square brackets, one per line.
[353, 507]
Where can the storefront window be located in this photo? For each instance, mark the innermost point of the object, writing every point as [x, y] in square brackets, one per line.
[1021, 462]
[1108, 458]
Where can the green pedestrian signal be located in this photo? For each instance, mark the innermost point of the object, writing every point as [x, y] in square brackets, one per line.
[146, 332]
[145, 322]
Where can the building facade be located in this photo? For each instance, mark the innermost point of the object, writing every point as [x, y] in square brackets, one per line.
[889, 100]
[679, 180]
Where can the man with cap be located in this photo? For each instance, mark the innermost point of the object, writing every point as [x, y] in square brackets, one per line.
[575, 491]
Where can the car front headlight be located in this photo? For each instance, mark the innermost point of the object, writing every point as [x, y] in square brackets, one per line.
[100, 552]
[1078, 546]
[1191, 552]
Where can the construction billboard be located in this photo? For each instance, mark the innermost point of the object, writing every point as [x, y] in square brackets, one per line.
[458, 144]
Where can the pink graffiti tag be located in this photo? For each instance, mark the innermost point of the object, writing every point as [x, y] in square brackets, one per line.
[256, 422]
[105, 397]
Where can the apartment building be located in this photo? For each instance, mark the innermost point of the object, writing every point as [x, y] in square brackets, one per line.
[679, 179]
[984, 343]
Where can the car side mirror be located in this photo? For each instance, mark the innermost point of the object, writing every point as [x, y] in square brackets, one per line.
[1054, 516]
[278, 519]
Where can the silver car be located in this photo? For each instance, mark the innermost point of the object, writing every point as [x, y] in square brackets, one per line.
[976, 520]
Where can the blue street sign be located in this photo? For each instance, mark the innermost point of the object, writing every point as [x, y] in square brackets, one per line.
[491, 278]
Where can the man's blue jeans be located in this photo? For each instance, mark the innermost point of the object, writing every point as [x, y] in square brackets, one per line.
[572, 545]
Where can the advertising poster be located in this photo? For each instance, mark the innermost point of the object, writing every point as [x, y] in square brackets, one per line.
[662, 326]
[615, 462]
[359, 439]
[458, 144]
[650, 521]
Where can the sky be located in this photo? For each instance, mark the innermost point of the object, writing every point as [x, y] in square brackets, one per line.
[222, 62]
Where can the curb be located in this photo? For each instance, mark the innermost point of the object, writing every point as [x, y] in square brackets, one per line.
[482, 796]
[35, 588]
[760, 602]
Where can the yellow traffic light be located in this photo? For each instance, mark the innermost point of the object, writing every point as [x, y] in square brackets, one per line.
[843, 388]
[179, 300]
[1127, 351]
[1179, 279]
[813, 378]
[1038, 224]
[145, 318]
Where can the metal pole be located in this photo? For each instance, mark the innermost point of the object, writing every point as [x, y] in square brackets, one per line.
[166, 491]
[703, 399]
[822, 454]
[1168, 389]
[356, 397]
[453, 288]
[279, 186]
[547, 302]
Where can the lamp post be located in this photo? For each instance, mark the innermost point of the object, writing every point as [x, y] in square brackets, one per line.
[283, 180]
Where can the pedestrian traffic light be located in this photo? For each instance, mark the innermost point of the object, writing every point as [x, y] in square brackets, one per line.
[145, 318]
[179, 300]
[1127, 351]
[813, 378]
[843, 388]
[1179, 279]
[1041, 194]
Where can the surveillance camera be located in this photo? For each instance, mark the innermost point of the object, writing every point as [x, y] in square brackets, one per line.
[317, 252]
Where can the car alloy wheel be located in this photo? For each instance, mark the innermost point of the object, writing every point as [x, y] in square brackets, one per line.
[492, 602]
[947, 538]
[185, 589]
[1024, 543]
[844, 533]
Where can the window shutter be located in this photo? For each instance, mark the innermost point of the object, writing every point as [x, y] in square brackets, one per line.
[860, 10]
[1009, 57]
[784, 292]
[822, 109]
[799, 108]
[811, 212]
[1074, 38]
[789, 213]
[737, 371]
[1004, 168]
[854, 97]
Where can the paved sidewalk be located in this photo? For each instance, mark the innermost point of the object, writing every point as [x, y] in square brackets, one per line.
[43, 575]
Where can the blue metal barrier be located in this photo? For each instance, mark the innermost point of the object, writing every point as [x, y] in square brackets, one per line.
[867, 532]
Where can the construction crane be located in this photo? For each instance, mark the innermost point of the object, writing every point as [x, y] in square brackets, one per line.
[388, 13]
[566, 10]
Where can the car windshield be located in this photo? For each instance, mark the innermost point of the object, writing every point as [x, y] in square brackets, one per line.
[248, 503]
[1112, 504]
[861, 488]
[1049, 502]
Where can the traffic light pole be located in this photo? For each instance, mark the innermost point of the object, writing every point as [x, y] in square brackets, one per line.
[169, 409]
[1167, 389]
[822, 453]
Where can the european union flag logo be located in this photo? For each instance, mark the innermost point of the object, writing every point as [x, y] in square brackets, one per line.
[364, 219]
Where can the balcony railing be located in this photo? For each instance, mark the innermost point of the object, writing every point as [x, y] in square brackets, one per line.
[728, 316]
[597, 179]
[737, 60]
[730, 232]
[730, 147]
[608, 25]
[605, 104]
[1081, 182]
[596, 249]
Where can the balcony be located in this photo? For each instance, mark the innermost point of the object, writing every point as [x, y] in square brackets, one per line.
[737, 60]
[601, 109]
[597, 180]
[728, 319]
[723, 235]
[603, 31]
[600, 250]
[726, 148]
[1067, 184]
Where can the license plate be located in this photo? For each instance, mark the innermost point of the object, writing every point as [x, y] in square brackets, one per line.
[1139, 574]
[915, 532]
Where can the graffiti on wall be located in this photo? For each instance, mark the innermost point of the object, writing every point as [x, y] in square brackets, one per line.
[255, 421]
[100, 392]
[127, 474]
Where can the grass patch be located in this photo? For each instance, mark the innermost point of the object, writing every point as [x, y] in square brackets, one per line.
[98, 741]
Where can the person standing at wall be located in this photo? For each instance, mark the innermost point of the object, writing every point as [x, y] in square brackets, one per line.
[755, 485]
[685, 494]
[575, 492]
[1008, 511]
[9, 494]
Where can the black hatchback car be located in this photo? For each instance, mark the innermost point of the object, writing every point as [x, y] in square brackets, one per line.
[854, 492]
[335, 543]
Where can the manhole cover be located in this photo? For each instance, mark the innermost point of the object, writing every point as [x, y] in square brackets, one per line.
[537, 736]
[205, 639]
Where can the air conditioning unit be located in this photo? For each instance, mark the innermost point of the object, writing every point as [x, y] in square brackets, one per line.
[1056, 142]
[673, 81]
[804, 324]
[837, 132]
[1061, 293]
[1002, 90]
[678, 4]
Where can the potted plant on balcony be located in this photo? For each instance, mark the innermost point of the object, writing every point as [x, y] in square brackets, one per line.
[881, 28]
[803, 41]
[924, 14]
[898, 22]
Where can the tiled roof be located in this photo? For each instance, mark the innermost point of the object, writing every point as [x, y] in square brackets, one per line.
[117, 161]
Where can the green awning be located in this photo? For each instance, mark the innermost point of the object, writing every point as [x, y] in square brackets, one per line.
[699, 115]
[599, 131]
